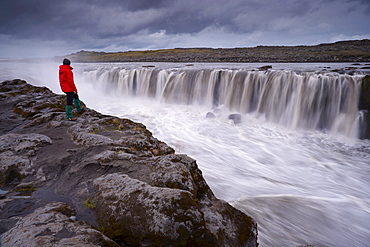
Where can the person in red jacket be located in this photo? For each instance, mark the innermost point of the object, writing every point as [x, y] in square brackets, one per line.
[69, 88]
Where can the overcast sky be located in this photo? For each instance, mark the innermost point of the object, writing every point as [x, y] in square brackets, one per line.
[47, 28]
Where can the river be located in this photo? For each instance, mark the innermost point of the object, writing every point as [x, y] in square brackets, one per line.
[303, 177]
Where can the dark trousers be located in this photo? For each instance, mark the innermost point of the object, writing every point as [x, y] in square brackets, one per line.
[70, 97]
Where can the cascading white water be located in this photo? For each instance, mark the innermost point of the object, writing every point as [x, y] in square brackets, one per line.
[302, 186]
[308, 100]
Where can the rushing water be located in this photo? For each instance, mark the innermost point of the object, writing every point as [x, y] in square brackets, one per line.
[293, 163]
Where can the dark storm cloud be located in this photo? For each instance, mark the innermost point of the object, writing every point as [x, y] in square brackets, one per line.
[67, 26]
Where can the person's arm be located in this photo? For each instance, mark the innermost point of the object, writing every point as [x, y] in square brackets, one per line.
[71, 81]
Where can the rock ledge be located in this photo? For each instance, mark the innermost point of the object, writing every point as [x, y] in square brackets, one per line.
[101, 181]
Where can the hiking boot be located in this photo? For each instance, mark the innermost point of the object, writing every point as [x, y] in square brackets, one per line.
[72, 119]
[82, 109]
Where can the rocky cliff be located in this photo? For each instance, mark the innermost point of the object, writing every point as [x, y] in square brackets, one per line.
[101, 181]
[364, 106]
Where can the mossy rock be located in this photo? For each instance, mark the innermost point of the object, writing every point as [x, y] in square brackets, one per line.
[138, 214]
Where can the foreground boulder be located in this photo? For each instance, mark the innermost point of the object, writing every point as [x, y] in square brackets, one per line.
[121, 185]
[52, 225]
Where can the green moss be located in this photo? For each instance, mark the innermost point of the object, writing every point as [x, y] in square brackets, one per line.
[95, 130]
[29, 188]
[115, 121]
[89, 203]
[138, 128]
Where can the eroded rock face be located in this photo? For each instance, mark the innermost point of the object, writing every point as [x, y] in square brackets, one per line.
[110, 172]
[140, 214]
[15, 150]
[364, 105]
[51, 225]
[159, 212]
[21, 142]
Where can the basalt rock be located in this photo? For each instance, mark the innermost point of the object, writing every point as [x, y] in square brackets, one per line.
[120, 185]
[364, 106]
[365, 125]
[15, 150]
[236, 118]
[210, 115]
[139, 214]
[365, 94]
[51, 225]
[266, 67]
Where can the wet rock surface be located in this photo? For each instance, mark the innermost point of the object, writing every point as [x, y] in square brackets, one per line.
[52, 225]
[236, 118]
[364, 106]
[101, 181]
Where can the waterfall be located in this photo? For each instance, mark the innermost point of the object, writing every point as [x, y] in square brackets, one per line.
[307, 100]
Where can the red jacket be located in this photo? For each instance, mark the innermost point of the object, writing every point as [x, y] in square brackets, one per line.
[66, 79]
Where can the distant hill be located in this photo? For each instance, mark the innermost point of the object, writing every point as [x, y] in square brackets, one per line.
[342, 51]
